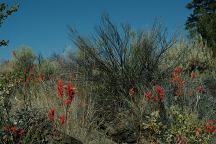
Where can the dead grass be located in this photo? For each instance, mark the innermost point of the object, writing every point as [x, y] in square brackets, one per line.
[80, 123]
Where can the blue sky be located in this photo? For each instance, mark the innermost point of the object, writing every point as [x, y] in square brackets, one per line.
[42, 24]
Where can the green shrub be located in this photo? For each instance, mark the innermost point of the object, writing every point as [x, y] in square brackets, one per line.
[23, 58]
[47, 69]
[182, 124]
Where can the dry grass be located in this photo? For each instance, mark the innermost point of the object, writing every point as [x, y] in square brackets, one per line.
[80, 123]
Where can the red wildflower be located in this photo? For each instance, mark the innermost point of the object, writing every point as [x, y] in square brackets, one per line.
[178, 70]
[62, 119]
[14, 130]
[181, 82]
[148, 95]
[174, 77]
[193, 75]
[210, 127]
[60, 88]
[160, 91]
[51, 114]
[70, 90]
[68, 101]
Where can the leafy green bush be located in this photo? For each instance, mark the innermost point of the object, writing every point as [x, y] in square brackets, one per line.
[183, 125]
[47, 69]
[23, 59]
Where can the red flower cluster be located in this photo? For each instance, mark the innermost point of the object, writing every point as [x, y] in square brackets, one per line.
[68, 101]
[160, 94]
[210, 126]
[62, 119]
[14, 130]
[70, 91]
[178, 70]
[160, 91]
[176, 79]
[148, 95]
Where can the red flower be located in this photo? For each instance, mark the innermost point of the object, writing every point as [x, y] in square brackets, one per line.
[148, 95]
[181, 82]
[68, 101]
[60, 88]
[160, 91]
[70, 90]
[174, 77]
[210, 127]
[51, 114]
[14, 130]
[62, 119]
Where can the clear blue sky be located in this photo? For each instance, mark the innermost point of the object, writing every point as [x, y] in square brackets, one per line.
[42, 24]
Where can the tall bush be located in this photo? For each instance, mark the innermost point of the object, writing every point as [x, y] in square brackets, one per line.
[122, 55]
[117, 58]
